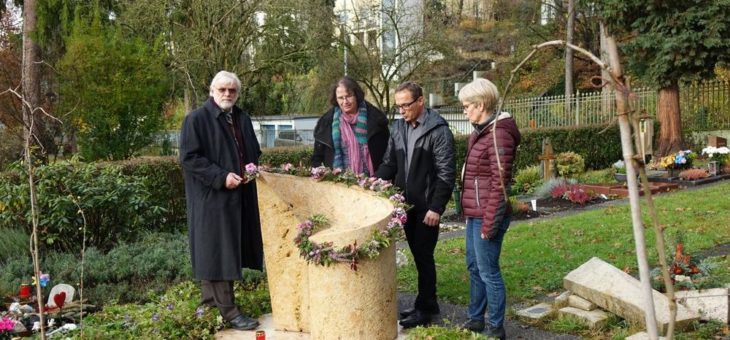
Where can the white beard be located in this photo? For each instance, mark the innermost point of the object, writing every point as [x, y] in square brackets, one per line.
[225, 105]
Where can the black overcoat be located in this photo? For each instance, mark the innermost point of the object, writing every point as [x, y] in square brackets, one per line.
[223, 224]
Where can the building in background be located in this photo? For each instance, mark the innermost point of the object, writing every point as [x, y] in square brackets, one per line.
[381, 26]
[284, 130]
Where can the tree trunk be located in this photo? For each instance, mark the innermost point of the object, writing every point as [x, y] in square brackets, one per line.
[569, 59]
[670, 133]
[607, 90]
[42, 141]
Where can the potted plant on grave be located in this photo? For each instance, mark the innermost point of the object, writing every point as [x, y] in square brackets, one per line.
[719, 159]
[676, 162]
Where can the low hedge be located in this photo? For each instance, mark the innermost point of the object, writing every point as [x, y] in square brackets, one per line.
[119, 201]
[296, 155]
[600, 145]
[130, 272]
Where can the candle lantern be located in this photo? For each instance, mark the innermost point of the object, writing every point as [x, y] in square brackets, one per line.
[24, 291]
[712, 168]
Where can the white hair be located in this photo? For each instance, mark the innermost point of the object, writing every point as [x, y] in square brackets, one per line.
[225, 77]
[480, 91]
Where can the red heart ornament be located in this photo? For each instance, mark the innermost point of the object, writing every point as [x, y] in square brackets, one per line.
[60, 299]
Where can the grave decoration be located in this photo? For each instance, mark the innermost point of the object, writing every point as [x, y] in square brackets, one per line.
[329, 243]
[21, 315]
[678, 161]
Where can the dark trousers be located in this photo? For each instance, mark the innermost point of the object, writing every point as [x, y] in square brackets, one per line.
[422, 242]
[220, 294]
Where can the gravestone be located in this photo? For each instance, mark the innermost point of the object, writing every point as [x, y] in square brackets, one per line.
[618, 292]
[327, 302]
[57, 289]
[547, 160]
[716, 141]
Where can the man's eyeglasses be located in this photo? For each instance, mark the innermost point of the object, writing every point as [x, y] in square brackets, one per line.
[407, 105]
[229, 90]
[346, 98]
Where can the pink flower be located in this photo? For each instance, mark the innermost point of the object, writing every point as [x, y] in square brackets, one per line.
[251, 172]
[7, 324]
[287, 167]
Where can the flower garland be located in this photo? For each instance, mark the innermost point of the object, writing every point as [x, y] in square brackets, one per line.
[325, 253]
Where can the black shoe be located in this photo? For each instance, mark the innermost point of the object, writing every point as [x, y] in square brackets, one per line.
[406, 313]
[243, 323]
[417, 318]
[474, 325]
[495, 332]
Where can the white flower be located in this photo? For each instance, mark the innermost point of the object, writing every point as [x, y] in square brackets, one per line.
[711, 150]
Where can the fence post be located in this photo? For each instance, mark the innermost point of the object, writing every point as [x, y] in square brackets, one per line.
[577, 108]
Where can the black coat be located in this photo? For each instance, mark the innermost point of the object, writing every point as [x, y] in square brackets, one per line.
[223, 224]
[324, 150]
[431, 176]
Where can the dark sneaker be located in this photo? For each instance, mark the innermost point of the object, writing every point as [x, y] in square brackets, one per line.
[474, 325]
[406, 313]
[243, 323]
[418, 318]
[495, 332]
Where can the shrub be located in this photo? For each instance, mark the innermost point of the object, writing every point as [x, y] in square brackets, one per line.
[114, 87]
[596, 176]
[545, 190]
[527, 180]
[174, 315]
[116, 207]
[581, 140]
[163, 179]
[119, 199]
[517, 206]
[571, 192]
[569, 164]
[131, 272]
[693, 174]
[11, 148]
[296, 155]
[13, 243]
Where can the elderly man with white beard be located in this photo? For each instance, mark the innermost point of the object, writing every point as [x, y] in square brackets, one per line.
[217, 140]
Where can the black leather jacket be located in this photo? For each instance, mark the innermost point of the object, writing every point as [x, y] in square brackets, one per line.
[431, 176]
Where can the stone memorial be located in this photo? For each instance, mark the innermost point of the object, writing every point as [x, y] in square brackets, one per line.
[618, 292]
[68, 294]
[335, 301]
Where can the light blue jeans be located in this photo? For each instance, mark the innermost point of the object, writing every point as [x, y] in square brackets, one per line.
[486, 287]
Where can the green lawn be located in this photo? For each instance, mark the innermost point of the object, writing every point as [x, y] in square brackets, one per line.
[537, 255]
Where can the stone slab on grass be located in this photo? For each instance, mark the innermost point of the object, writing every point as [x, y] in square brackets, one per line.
[267, 325]
[580, 303]
[535, 313]
[615, 291]
[593, 319]
[562, 300]
[711, 304]
[642, 336]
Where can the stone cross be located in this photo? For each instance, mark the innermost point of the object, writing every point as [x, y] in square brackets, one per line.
[546, 160]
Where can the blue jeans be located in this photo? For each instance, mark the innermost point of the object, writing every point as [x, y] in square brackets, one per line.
[486, 287]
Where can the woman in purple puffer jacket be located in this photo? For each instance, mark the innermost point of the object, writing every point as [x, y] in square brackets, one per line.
[486, 178]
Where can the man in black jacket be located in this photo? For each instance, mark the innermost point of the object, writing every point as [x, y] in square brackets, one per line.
[217, 140]
[420, 160]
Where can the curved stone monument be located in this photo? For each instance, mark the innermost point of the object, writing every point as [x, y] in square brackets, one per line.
[329, 302]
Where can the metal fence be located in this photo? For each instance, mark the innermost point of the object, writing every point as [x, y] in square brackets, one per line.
[703, 106]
